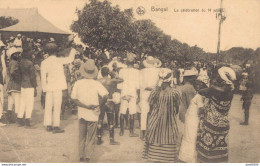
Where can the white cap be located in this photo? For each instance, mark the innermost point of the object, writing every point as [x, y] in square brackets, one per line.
[190, 73]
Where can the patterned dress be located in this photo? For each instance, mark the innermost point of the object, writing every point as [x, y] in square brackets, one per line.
[162, 130]
[212, 140]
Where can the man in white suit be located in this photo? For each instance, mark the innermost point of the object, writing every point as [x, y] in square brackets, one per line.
[149, 77]
[53, 82]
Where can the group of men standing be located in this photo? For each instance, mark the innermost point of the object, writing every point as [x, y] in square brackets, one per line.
[122, 91]
[21, 86]
[95, 97]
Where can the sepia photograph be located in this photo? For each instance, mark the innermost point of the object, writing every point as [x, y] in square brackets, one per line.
[141, 81]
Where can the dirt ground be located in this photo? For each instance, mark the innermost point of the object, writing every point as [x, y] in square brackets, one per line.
[19, 144]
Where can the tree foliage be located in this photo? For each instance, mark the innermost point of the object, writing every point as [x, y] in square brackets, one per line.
[7, 21]
[107, 28]
[104, 27]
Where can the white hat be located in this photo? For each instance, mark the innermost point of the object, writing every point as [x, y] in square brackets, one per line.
[190, 73]
[13, 50]
[52, 39]
[152, 62]
[19, 35]
[115, 58]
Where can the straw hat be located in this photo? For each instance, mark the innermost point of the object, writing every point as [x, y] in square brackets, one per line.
[152, 62]
[89, 70]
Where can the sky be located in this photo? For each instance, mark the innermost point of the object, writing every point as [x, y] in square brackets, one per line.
[240, 29]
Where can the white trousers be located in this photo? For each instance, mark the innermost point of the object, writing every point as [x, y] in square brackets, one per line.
[1, 100]
[14, 99]
[131, 105]
[26, 104]
[52, 100]
[144, 104]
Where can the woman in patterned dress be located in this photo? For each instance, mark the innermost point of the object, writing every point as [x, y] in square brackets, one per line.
[162, 130]
[212, 140]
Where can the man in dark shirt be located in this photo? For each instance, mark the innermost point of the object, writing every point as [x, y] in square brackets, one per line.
[109, 106]
[28, 87]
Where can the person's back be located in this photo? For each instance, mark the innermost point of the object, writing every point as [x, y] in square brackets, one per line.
[188, 92]
[131, 81]
[109, 83]
[149, 77]
[28, 76]
[53, 82]
[55, 74]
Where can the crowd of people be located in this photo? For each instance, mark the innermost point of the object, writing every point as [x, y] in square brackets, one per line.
[124, 89]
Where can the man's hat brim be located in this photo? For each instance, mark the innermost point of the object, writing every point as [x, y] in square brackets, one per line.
[88, 75]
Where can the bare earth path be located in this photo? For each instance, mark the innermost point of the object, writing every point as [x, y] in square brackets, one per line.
[18, 144]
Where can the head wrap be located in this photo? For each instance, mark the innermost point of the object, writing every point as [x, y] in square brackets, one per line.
[165, 75]
[228, 75]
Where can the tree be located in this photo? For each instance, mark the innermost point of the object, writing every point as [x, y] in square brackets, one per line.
[197, 53]
[150, 40]
[237, 55]
[7, 21]
[104, 27]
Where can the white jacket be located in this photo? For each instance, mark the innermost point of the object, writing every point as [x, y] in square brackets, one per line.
[52, 72]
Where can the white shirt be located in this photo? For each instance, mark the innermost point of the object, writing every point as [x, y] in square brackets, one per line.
[149, 77]
[87, 92]
[131, 82]
[52, 72]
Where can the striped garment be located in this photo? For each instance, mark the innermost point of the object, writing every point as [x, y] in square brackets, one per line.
[162, 130]
[161, 153]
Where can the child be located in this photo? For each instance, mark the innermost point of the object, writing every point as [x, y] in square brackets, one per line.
[247, 96]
